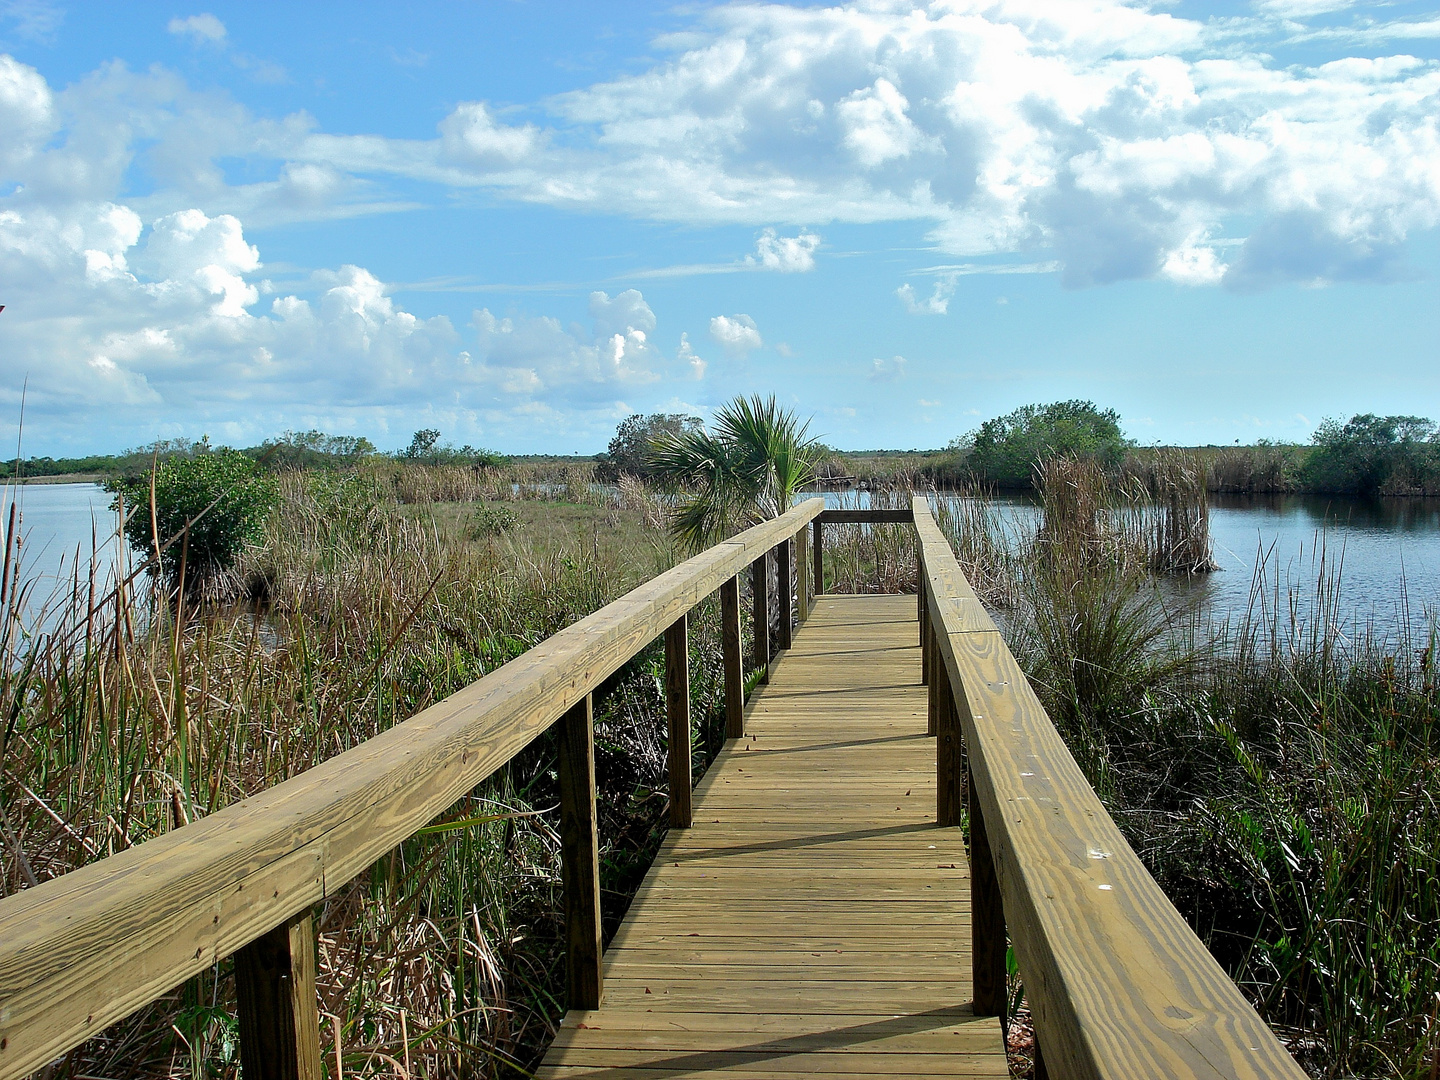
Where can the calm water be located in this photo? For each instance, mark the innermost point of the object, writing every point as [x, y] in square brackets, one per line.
[56, 521]
[1388, 550]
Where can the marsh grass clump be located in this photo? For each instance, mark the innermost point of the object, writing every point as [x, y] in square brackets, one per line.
[1174, 484]
[1278, 778]
[363, 602]
[872, 558]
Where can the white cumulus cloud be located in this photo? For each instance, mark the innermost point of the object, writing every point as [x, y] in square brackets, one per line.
[788, 254]
[736, 334]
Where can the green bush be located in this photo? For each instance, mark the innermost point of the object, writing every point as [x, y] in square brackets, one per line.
[184, 488]
[491, 519]
[1005, 450]
[1375, 455]
[426, 449]
[629, 451]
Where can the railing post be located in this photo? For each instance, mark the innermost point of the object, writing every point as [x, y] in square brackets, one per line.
[949, 757]
[677, 708]
[987, 918]
[730, 659]
[787, 582]
[923, 601]
[819, 557]
[760, 592]
[580, 855]
[802, 575]
[279, 1016]
[932, 653]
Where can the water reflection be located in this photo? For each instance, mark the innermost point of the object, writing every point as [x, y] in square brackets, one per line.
[1387, 551]
[1382, 556]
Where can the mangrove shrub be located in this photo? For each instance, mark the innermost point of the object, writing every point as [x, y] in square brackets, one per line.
[221, 496]
[1006, 450]
[1375, 455]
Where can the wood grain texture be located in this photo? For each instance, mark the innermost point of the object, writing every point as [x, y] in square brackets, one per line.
[1118, 984]
[677, 714]
[278, 1011]
[732, 663]
[580, 856]
[814, 920]
[83, 950]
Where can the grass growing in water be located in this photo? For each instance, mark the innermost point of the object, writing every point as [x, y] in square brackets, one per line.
[364, 604]
[1278, 777]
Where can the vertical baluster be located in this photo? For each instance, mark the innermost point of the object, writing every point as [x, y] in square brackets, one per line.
[786, 581]
[677, 709]
[802, 574]
[923, 602]
[987, 918]
[760, 590]
[580, 855]
[932, 653]
[730, 659]
[949, 758]
[279, 1015]
[818, 555]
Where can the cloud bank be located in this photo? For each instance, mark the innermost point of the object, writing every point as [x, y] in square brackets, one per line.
[1105, 140]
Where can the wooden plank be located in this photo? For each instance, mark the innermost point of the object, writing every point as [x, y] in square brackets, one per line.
[278, 1012]
[1118, 983]
[730, 659]
[867, 517]
[677, 712]
[580, 856]
[85, 949]
[813, 919]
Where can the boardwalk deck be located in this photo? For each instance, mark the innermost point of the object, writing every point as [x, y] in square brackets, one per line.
[814, 919]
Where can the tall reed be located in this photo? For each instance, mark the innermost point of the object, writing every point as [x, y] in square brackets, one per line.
[130, 719]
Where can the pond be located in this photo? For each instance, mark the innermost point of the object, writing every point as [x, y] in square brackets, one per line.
[1383, 556]
[1387, 551]
[57, 523]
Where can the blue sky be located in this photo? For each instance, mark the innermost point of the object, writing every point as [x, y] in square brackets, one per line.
[520, 222]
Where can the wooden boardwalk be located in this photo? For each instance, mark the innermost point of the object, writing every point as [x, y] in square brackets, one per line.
[814, 919]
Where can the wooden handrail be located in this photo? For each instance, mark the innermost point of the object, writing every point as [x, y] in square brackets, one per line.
[1118, 983]
[85, 949]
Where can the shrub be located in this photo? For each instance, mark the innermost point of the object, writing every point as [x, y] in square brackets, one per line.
[1006, 450]
[224, 486]
[492, 519]
[1374, 455]
[426, 449]
[312, 450]
[629, 451]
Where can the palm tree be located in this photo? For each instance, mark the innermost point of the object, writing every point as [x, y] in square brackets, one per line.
[746, 469]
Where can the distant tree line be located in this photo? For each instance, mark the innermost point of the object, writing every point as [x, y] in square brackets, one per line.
[289, 450]
[1366, 455]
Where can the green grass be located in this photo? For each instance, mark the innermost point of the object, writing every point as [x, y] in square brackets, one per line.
[1279, 780]
[364, 603]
